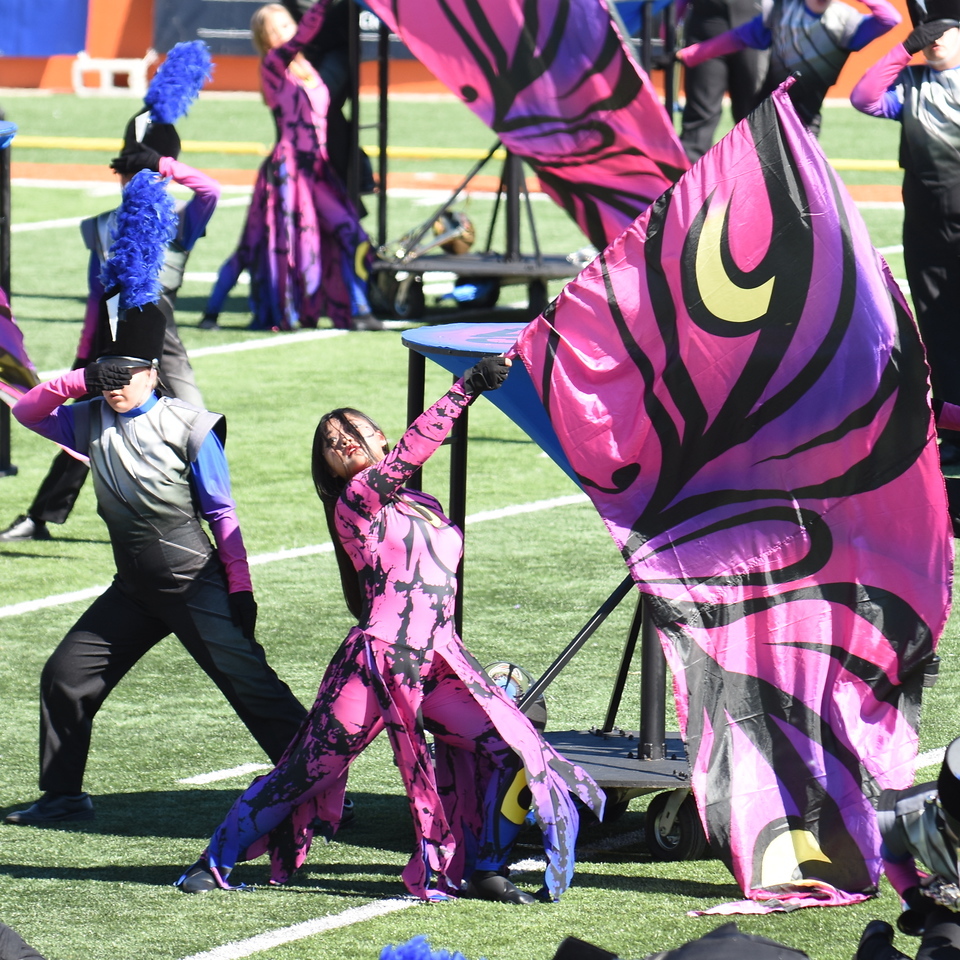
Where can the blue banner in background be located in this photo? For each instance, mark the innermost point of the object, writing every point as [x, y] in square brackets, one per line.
[42, 29]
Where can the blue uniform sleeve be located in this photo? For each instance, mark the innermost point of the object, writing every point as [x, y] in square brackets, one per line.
[755, 34]
[211, 479]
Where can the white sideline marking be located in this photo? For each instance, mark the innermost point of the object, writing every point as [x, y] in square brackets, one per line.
[229, 774]
[46, 224]
[932, 758]
[299, 931]
[60, 599]
[277, 341]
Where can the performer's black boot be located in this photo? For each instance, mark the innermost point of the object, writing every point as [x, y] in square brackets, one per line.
[876, 943]
[488, 885]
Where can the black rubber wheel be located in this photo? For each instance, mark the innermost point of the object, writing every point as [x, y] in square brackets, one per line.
[686, 839]
[389, 302]
[408, 299]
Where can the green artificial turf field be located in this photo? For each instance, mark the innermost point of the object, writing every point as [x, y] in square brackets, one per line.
[103, 890]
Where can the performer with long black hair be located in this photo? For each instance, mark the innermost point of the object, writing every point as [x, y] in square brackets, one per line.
[403, 668]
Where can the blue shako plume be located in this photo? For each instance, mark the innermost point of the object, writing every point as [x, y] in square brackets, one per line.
[146, 223]
[178, 81]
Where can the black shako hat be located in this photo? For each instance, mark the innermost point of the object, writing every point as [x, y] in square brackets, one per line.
[948, 784]
[162, 137]
[138, 341]
[934, 10]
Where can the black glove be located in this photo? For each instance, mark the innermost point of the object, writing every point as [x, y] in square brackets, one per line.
[914, 918]
[141, 158]
[488, 374]
[925, 33]
[243, 612]
[106, 376]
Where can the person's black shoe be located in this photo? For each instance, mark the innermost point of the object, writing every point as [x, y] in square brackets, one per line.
[348, 814]
[25, 528]
[365, 321]
[54, 808]
[209, 322]
[197, 879]
[487, 885]
[876, 941]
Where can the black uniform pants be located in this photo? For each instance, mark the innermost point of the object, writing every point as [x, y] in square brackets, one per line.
[740, 74]
[931, 256]
[113, 634]
[704, 87]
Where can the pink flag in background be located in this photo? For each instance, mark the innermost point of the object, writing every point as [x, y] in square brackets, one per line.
[740, 387]
[554, 81]
[17, 373]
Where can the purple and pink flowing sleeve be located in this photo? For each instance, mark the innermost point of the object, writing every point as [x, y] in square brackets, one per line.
[41, 409]
[873, 93]
[212, 485]
[751, 34]
[274, 65]
[371, 488]
[206, 193]
[883, 18]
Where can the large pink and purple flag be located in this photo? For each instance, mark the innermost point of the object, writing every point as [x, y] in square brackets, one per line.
[739, 385]
[17, 373]
[556, 83]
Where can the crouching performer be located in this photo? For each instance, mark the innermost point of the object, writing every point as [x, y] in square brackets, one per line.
[405, 669]
[922, 824]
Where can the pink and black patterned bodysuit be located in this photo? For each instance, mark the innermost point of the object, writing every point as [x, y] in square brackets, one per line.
[301, 238]
[404, 668]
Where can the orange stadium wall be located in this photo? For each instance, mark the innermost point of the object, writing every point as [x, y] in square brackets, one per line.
[124, 28]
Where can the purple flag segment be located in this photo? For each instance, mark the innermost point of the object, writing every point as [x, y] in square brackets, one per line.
[17, 373]
[740, 387]
[556, 83]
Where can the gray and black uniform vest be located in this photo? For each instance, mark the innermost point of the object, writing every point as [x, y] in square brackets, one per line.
[816, 48]
[142, 477]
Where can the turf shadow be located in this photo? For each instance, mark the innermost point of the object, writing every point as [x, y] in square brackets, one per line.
[380, 821]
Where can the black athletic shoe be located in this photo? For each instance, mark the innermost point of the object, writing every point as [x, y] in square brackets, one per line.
[487, 885]
[53, 808]
[209, 322]
[25, 528]
[876, 943]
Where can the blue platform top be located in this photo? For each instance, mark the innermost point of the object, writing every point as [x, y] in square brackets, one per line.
[457, 346]
[7, 131]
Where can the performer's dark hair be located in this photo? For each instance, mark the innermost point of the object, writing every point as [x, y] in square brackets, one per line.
[329, 488]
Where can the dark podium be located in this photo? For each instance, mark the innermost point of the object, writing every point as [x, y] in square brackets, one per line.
[625, 763]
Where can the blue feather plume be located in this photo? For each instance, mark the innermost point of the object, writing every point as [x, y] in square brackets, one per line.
[178, 81]
[146, 223]
[417, 948]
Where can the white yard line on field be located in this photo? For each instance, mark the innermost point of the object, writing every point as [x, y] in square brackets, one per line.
[60, 599]
[216, 775]
[261, 343]
[299, 931]
[931, 758]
